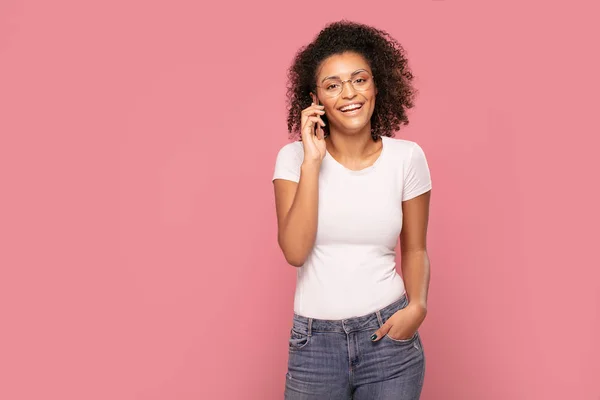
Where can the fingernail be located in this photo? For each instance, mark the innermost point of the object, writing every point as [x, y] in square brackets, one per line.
[373, 337]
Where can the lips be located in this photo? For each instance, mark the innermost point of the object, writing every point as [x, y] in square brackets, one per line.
[347, 108]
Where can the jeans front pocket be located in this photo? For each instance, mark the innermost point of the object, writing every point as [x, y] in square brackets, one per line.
[402, 304]
[298, 340]
[403, 341]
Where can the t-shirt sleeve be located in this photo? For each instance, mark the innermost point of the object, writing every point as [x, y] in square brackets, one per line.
[417, 177]
[288, 163]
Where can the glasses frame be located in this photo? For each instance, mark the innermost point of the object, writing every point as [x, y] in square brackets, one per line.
[348, 80]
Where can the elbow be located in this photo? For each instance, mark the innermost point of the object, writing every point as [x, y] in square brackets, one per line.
[295, 262]
[292, 256]
[294, 259]
[294, 250]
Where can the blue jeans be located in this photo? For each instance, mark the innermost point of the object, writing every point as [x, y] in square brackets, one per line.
[330, 360]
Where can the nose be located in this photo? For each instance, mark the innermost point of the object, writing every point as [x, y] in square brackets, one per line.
[348, 91]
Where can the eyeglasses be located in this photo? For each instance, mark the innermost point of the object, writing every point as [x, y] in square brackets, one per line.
[361, 82]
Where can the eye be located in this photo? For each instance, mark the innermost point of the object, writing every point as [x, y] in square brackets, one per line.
[332, 86]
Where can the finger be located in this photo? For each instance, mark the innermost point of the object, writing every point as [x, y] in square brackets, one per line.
[309, 116]
[306, 121]
[312, 111]
[313, 107]
[319, 132]
[312, 120]
[308, 129]
[381, 332]
[316, 119]
[322, 133]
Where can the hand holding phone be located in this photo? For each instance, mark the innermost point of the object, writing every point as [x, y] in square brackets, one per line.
[318, 129]
[312, 133]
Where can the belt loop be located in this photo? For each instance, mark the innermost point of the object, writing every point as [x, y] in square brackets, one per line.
[379, 318]
[309, 326]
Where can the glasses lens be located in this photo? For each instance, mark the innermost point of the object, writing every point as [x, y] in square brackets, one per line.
[332, 87]
[360, 82]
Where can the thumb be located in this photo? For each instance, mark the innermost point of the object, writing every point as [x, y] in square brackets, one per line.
[381, 332]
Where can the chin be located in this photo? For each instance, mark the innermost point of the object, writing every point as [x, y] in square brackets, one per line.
[357, 125]
[353, 128]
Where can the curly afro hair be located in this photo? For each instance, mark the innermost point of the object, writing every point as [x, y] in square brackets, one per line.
[387, 60]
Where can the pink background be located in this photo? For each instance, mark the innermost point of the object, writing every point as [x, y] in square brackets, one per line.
[138, 253]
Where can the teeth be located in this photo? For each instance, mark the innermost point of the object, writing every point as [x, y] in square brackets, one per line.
[351, 107]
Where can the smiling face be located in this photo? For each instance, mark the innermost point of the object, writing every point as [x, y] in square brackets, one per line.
[349, 111]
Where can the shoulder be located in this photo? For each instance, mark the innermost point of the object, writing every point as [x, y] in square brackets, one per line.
[292, 153]
[288, 162]
[292, 148]
[402, 148]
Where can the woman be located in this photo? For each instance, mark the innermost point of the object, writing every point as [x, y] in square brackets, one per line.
[344, 195]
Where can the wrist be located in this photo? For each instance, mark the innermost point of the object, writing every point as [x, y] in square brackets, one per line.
[418, 307]
[310, 165]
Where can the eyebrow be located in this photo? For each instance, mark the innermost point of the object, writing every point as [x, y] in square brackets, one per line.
[337, 77]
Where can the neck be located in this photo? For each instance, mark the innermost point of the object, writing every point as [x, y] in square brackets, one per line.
[352, 146]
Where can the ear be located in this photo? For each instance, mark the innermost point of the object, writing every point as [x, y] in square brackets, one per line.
[313, 97]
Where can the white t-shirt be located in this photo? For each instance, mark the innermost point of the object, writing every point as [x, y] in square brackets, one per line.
[351, 270]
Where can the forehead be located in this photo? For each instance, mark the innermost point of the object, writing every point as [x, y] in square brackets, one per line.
[342, 65]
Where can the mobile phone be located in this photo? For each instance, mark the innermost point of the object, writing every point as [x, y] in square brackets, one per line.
[317, 125]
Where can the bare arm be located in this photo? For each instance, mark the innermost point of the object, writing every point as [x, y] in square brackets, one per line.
[297, 205]
[413, 245]
[415, 271]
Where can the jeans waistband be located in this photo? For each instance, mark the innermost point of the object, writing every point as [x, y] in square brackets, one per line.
[308, 325]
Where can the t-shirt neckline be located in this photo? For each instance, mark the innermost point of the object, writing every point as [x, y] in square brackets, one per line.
[366, 169]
